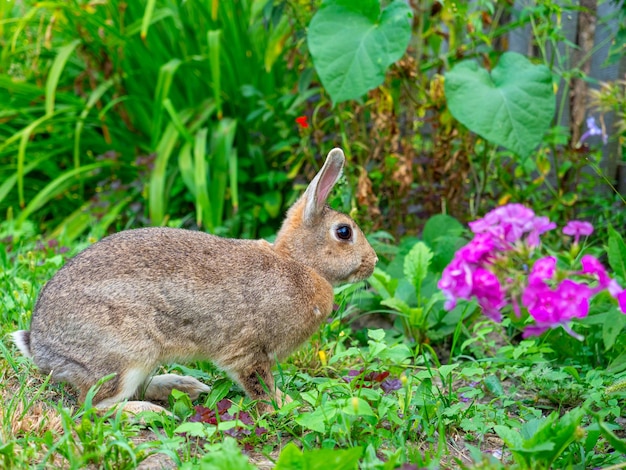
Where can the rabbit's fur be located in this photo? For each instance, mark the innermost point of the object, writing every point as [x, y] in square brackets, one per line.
[141, 298]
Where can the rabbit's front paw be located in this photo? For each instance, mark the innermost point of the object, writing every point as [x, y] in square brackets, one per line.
[160, 387]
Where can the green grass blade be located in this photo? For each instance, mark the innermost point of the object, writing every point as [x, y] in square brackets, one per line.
[178, 123]
[111, 216]
[276, 42]
[95, 96]
[147, 17]
[204, 212]
[55, 73]
[186, 168]
[234, 179]
[9, 183]
[157, 197]
[24, 135]
[213, 38]
[56, 187]
[72, 226]
[164, 83]
[223, 138]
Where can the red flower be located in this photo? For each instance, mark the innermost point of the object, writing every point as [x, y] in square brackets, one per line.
[302, 122]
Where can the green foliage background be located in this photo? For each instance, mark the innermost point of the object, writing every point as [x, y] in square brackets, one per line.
[213, 115]
[117, 114]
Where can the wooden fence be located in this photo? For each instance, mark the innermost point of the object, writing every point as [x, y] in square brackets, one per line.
[593, 32]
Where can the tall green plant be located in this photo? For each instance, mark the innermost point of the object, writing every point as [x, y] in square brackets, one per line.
[125, 80]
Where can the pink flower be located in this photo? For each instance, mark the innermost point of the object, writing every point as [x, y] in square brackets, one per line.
[621, 300]
[542, 269]
[456, 282]
[538, 298]
[489, 293]
[509, 223]
[479, 249]
[552, 308]
[577, 229]
[540, 226]
[592, 266]
[573, 300]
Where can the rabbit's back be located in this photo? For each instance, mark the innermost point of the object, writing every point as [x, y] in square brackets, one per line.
[177, 294]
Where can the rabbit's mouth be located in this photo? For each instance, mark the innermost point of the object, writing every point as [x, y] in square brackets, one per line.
[364, 272]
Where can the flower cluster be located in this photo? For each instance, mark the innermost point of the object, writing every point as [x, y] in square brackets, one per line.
[494, 269]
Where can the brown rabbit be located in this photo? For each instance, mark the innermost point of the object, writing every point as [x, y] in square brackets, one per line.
[141, 298]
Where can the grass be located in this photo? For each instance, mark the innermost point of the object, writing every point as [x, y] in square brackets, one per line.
[362, 396]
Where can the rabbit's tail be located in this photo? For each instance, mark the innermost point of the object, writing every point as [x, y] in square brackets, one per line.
[21, 339]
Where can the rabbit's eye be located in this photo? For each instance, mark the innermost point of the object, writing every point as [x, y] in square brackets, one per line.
[344, 232]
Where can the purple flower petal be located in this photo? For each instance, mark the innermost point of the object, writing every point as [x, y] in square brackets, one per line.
[542, 270]
[592, 266]
[621, 300]
[390, 385]
[578, 228]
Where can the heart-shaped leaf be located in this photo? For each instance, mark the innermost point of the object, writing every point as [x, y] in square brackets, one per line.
[513, 107]
[353, 43]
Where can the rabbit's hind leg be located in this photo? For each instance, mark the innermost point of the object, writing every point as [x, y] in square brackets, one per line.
[160, 387]
[258, 382]
[125, 386]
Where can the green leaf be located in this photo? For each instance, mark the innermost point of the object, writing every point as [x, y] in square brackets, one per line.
[204, 211]
[616, 252]
[222, 148]
[195, 430]
[161, 93]
[376, 335]
[612, 327]
[215, 48]
[441, 225]
[356, 406]
[445, 370]
[55, 73]
[353, 43]
[229, 457]
[617, 365]
[396, 354]
[381, 282]
[276, 42]
[512, 107]
[219, 390]
[397, 304]
[618, 444]
[315, 421]
[292, 458]
[416, 264]
[185, 165]
[492, 383]
[147, 18]
[511, 438]
[157, 195]
[547, 438]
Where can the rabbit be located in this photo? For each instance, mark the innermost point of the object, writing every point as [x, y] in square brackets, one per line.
[145, 297]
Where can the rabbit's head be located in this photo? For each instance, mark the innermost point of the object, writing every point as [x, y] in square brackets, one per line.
[326, 240]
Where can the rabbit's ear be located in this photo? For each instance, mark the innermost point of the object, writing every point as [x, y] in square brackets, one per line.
[319, 189]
